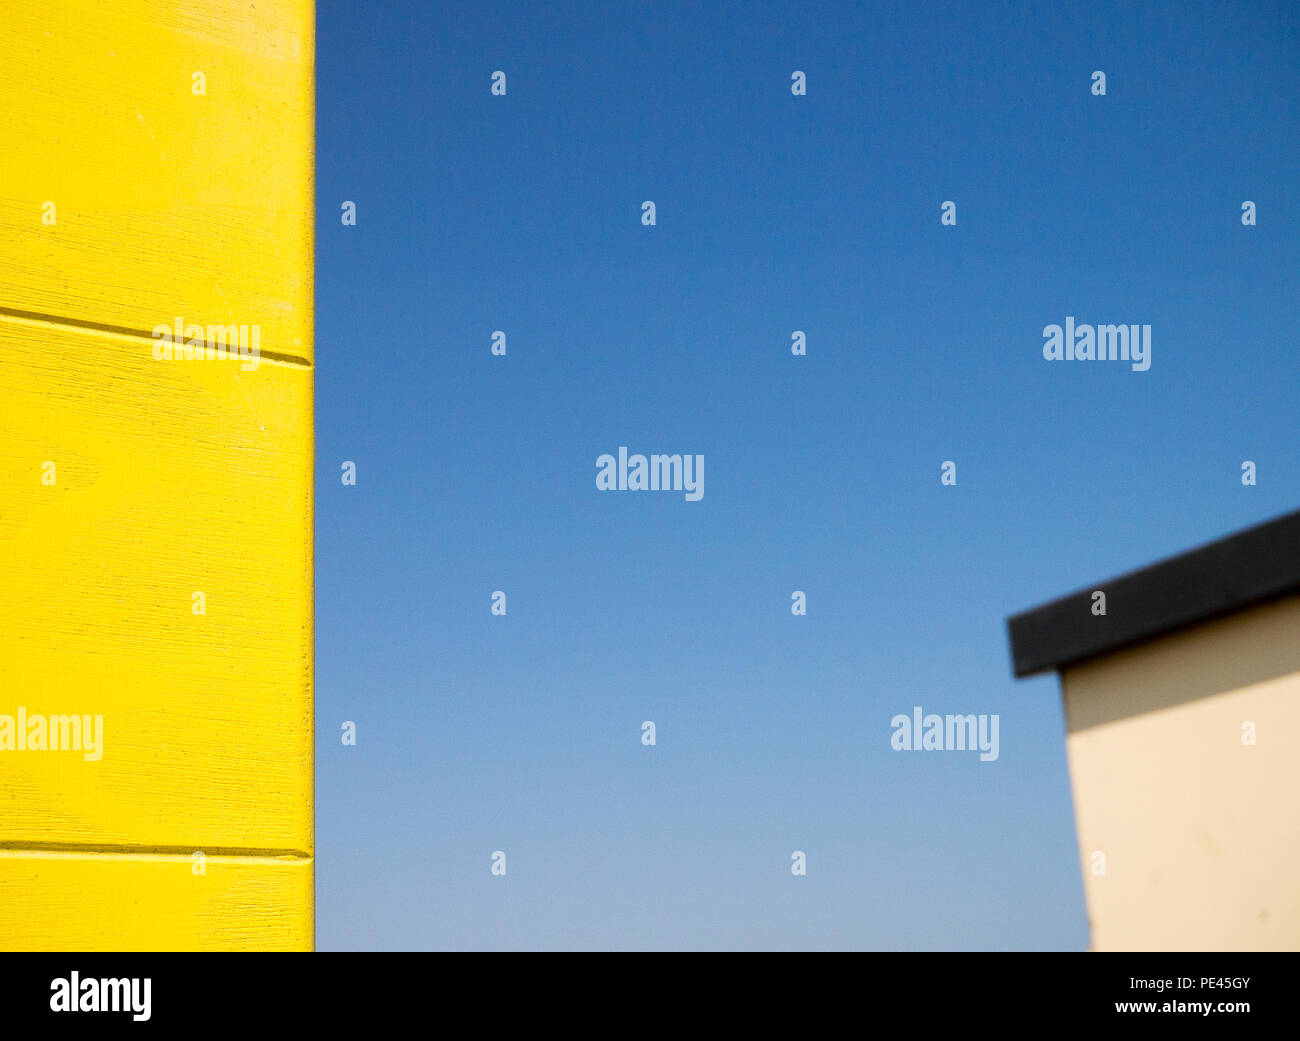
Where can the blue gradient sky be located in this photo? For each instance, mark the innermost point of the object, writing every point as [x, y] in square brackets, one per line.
[775, 213]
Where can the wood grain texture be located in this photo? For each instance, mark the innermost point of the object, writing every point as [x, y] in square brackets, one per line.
[170, 477]
[59, 902]
[166, 203]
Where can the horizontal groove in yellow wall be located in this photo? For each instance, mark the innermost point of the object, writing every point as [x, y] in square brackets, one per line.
[131, 903]
[166, 204]
[170, 478]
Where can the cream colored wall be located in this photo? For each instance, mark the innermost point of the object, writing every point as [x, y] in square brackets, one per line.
[1201, 832]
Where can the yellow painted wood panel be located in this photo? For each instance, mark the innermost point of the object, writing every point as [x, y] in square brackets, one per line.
[166, 203]
[130, 483]
[63, 902]
[171, 478]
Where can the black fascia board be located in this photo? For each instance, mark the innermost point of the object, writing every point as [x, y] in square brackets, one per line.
[1218, 578]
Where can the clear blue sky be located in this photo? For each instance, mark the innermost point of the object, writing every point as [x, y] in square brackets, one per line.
[775, 213]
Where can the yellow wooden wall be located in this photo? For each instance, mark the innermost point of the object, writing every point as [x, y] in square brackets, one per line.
[169, 478]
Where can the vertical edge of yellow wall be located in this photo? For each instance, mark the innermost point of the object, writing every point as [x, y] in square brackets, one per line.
[310, 288]
[90, 900]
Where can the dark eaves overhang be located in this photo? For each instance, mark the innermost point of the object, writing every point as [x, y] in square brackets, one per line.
[1232, 573]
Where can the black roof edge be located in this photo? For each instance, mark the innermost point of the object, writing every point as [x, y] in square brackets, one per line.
[1242, 569]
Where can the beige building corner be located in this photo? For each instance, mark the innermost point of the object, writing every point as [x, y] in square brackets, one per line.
[1182, 708]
